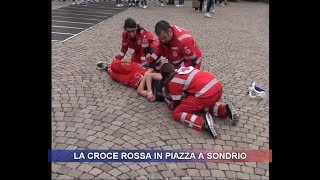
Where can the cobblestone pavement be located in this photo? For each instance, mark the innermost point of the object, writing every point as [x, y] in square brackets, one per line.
[91, 111]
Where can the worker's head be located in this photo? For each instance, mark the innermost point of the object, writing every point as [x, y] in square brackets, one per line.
[164, 32]
[167, 72]
[130, 26]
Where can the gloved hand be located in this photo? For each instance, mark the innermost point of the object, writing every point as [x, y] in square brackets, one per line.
[145, 64]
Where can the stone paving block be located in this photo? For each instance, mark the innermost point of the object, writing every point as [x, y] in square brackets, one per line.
[114, 172]
[259, 171]
[95, 171]
[254, 176]
[64, 177]
[142, 172]
[161, 167]
[218, 173]
[193, 172]
[231, 174]
[63, 170]
[182, 165]
[106, 167]
[167, 174]
[205, 172]
[200, 165]
[86, 176]
[155, 176]
[85, 167]
[123, 176]
[142, 178]
[152, 169]
[124, 168]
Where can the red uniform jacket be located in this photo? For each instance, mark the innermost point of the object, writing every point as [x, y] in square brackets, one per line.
[196, 82]
[180, 51]
[142, 43]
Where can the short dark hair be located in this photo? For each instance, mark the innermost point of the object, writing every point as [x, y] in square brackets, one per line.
[129, 23]
[167, 71]
[161, 26]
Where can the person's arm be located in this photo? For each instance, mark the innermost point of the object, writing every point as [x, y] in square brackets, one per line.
[189, 51]
[142, 86]
[153, 57]
[148, 45]
[175, 91]
[124, 48]
[149, 78]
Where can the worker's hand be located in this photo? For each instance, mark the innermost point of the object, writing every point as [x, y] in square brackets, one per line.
[145, 64]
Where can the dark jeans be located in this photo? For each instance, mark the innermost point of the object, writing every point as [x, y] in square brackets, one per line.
[210, 3]
[201, 5]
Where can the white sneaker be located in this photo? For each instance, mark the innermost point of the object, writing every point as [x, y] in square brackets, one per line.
[212, 10]
[178, 5]
[144, 7]
[207, 14]
[161, 4]
[118, 5]
[121, 5]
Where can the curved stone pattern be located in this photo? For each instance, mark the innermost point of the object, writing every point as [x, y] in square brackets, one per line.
[91, 111]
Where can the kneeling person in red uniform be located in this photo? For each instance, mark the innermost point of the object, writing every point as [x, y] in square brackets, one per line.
[138, 38]
[177, 45]
[202, 92]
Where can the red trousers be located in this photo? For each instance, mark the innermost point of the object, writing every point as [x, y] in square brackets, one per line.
[188, 108]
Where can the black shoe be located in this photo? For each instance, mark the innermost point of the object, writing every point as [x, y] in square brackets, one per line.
[101, 65]
[209, 125]
[232, 114]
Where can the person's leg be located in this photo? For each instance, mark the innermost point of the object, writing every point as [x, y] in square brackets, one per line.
[201, 5]
[144, 3]
[185, 113]
[118, 66]
[220, 109]
[210, 3]
[161, 3]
